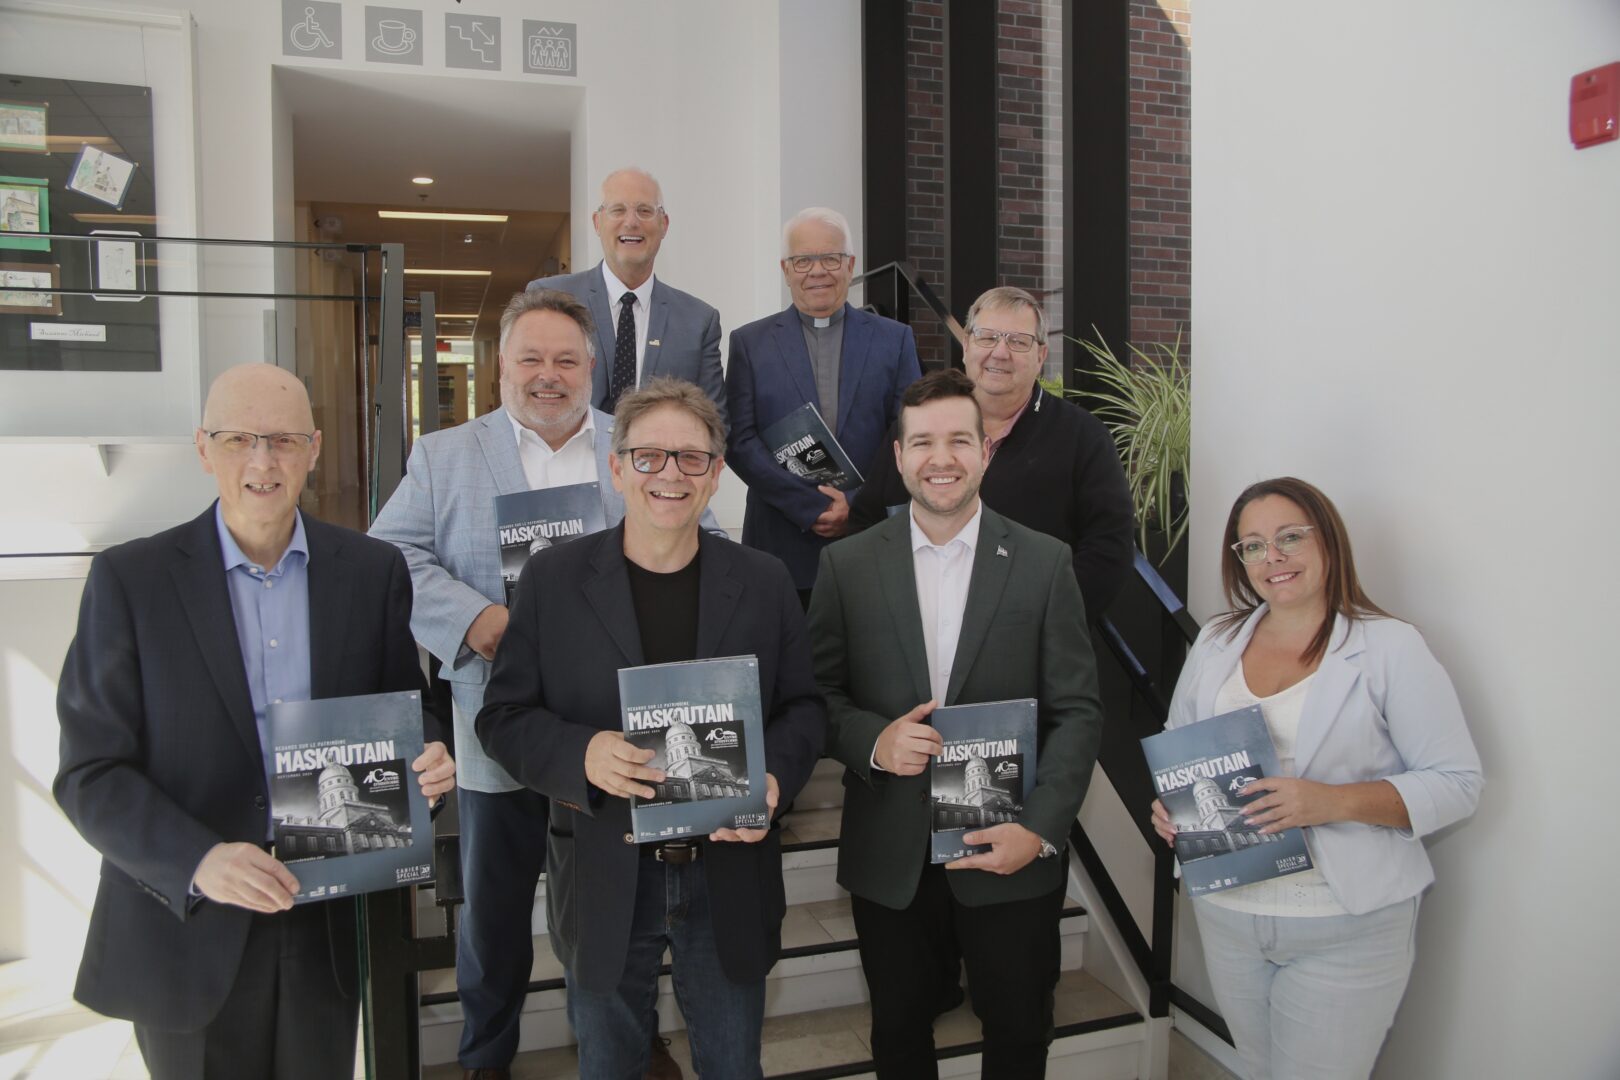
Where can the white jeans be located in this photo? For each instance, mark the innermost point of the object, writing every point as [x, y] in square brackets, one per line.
[1308, 997]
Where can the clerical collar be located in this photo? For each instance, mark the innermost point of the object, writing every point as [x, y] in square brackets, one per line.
[821, 322]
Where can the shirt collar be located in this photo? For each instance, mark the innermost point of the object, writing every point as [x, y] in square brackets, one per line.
[521, 433]
[234, 556]
[617, 288]
[819, 322]
[969, 534]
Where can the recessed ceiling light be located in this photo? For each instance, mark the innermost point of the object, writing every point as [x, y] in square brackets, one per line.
[429, 215]
[448, 273]
[423, 180]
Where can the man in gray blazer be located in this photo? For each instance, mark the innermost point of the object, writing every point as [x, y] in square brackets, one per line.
[645, 328]
[442, 516]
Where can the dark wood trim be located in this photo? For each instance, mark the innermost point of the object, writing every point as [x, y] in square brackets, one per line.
[972, 264]
[1096, 170]
[883, 135]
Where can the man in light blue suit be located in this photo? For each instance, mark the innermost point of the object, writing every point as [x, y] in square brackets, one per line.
[645, 328]
[442, 517]
[851, 364]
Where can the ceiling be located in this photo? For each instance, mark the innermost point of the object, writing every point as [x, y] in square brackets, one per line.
[490, 146]
[514, 251]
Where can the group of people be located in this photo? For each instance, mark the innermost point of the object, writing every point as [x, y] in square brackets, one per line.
[994, 516]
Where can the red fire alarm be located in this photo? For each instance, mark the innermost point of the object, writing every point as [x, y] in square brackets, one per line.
[1594, 106]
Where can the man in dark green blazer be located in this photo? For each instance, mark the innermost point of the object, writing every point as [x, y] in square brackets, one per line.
[949, 603]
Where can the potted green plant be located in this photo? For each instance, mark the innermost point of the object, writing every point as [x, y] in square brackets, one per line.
[1147, 405]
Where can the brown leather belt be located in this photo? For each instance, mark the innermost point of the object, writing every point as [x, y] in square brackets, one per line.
[674, 852]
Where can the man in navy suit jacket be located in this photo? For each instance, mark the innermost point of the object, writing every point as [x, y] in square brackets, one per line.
[664, 331]
[184, 640]
[851, 364]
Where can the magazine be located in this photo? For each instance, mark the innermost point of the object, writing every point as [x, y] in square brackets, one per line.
[804, 446]
[347, 812]
[984, 771]
[531, 521]
[702, 720]
[1198, 771]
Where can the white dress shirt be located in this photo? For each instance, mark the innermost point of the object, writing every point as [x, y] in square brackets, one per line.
[943, 572]
[615, 290]
[574, 463]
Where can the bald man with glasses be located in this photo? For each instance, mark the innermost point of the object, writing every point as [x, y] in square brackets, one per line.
[644, 327]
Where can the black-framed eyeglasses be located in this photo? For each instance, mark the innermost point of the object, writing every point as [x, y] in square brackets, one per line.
[986, 338]
[650, 459]
[1252, 549]
[642, 211]
[281, 443]
[828, 260]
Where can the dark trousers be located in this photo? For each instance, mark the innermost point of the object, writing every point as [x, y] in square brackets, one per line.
[1012, 959]
[284, 1017]
[503, 850]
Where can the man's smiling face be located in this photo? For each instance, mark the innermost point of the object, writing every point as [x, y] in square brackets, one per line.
[546, 374]
[630, 244]
[666, 500]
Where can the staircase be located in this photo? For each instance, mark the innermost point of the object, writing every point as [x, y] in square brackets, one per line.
[817, 1022]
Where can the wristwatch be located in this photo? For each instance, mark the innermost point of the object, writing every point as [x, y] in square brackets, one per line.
[1047, 850]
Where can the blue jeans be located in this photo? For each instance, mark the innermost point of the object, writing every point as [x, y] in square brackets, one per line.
[1308, 996]
[503, 850]
[723, 1018]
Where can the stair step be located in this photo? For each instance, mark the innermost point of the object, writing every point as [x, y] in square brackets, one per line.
[1098, 1036]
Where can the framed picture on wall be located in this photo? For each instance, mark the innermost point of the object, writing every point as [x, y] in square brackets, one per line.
[25, 207]
[22, 127]
[102, 176]
[18, 279]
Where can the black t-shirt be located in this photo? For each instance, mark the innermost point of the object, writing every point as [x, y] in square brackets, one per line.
[666, 612]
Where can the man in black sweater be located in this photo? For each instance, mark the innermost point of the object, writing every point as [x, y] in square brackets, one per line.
[1053, 466]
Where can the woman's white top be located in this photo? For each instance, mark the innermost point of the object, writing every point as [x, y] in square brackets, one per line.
[1304, 893]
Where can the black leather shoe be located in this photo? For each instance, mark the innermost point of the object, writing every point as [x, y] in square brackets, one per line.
[660, 1066]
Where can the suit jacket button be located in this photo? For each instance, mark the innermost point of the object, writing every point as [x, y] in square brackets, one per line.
[629, 838]
[258, 802]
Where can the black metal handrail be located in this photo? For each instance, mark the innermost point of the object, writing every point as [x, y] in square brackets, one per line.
[1153, 959]
[895, 303]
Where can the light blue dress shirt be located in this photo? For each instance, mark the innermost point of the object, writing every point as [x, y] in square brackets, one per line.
[271, 608]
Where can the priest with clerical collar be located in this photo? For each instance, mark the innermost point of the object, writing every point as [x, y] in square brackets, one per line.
[851, 364]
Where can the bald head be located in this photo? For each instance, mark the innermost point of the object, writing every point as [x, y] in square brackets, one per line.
[258, 388]
[642, 181]
[259, 442]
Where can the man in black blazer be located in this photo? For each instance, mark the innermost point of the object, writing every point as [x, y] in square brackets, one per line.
[851, 364]
[184, 639]
[645, 328]
[655, 589]
[949, 603]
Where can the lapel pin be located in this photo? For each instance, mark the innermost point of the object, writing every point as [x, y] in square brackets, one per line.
[1001, 552]
[654, 341]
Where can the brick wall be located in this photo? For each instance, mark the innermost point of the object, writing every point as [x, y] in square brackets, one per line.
[1029, 85]
[1160, 172]
[925, 167]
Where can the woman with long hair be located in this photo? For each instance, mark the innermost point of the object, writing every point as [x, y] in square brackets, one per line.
[1373, 754]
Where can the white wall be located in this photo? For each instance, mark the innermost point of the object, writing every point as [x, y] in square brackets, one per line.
[1404, 290]
[696, 92]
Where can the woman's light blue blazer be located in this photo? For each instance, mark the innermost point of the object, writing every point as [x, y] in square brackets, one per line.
[1380, 708]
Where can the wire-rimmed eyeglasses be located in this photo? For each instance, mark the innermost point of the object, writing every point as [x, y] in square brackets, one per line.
[1252, 549]
[281, 443]
[827, 260]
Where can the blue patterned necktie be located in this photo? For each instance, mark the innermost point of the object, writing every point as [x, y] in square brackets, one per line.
[623, 377]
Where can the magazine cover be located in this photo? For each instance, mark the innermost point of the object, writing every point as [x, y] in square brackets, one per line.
[984, 772]
[702, 721]
[805, 447]
[1198, 771]
[347, 812]
[532, 521]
